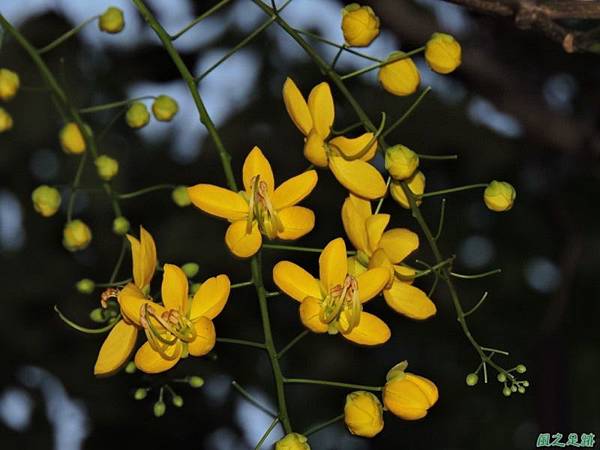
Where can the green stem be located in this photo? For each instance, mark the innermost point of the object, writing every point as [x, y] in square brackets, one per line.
[320, 426]
[199, 19]
[143, 191]
[381, 64]
[241, 342]
[333, 44]
[67, 35]
[115, 271]
[456, 189]
[294, 248]
[293, 342]
[441, 221]
[408, 112]
[477, 305]
[348, 128]
[112, 105]
[242, 284]
[332, 383]
[267, 433]
[380, 202]
[476, 276]
[252, 400]
[337, 56]
[437, 157]
[114, 283]
[75, 186]
[84, 329]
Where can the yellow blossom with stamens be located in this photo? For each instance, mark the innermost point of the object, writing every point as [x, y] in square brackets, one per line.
[345, 157]
[119, 343]
[180, 327]
[377, 247]
[334, 302]
[260, 209]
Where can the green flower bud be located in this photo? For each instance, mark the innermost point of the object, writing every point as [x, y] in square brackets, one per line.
[112, 21]
[190, 269]
[46, 200]
[137, 115]
[130, 367]
[472, 379]
[120, 225]
[196, 382]
[159, 408]
[141, 393]
[499, 196]
[85, 286]
[6, 121]
[106, 167]
[506, 391]
[177, 401]
[521, 368]
[401, 162]
[521, 389]
[513, 388]
[194, 288]
[76, 235]
[180, 196]
[9, 84]
[164, 108]
[526, 383]
[501, 377]
[97, 315]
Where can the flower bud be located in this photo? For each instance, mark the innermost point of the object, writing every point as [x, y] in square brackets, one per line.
[130, 367]
[6, 121]
[499, 196]
[46, 200]
[360, 25]
[401, 162]
[106, 167]
[190, 269]
[472, 379]
[71, 139]
[363, 414]
[97, 315]
[409, 396]
[177, 401]
[526, 383]
[76, 235]
[112, 21]
[140, 394]
[194, 288]
[521, 368]
[159, 408]
[399, 77]
[180, 196]
[85, 286]
[521, 389]
[506, 391]
[416, 184]
[501, 377]
[120, 226]
[293, 441]
[137, 115]
[195, 381]
[9, 84]
[164, 108]
[442, 53]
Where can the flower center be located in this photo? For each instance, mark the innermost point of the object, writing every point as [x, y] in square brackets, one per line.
[165, 329]
[262, 210]
[341, 308]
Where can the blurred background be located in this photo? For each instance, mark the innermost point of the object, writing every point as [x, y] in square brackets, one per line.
[519, 109]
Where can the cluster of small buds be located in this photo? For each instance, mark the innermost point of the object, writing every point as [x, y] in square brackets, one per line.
[511, 384]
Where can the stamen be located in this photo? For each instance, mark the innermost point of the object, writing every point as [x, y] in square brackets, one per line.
[342, 301]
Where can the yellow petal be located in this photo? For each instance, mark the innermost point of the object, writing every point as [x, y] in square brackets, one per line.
[371, 282]
[405, 273]
[256, 164]
[310, 308]
[131, 299]
[138, 277]
[350, 148]
[174, 290]
[355, 268]
[409, 301]
[116, 348]
[240, 243]
[211, 298]
[375, 226]
[371, 330]
[380, 259]
[294, 190]
[320, 105]
[218, 201]
[149, 360]
[296, 107]
[147, 257]
[409, 397]
[398, 243]
[427, 386]
[315, 150]
[206, 337]
[355, 223]
[333, 266]
[295, 281]
[358, 177]
[297, 221]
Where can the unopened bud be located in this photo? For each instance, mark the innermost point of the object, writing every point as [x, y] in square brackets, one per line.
[401, 162]
[360, 25]
[46, 200]
[190, 269]
[472, 379]
[130, 367]
[521, 368]
[159, 408]
[120, 225]
[499, 196]
[501, 377]
[177, 401]
[400, 77]
[196, 382]
[85, 286]
[76, 235]
[106, 167]
[97, 315]
[164, 108]
[140, 394]
[112, 21]
[6, 121]
[506, 391]
[9, 84]
[180, 196]
[442, 53]
[71, 139]
[137, 115]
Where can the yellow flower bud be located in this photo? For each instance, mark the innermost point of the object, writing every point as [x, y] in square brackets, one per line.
[106, 167]
[400, 77]
[137, 115]
[46, 200]
[71, 139]
[6, 121]
[442, 53]
[180, 196]
[112, 21]
[401, 162]
[409, 396]
[359, 24]
[363, 414]
[293, 441]
[76, 235]
[416, 184]
[164, 108]
[9, 84]
[499, 196]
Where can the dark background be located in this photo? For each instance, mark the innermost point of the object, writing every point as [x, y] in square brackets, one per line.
[519, 109]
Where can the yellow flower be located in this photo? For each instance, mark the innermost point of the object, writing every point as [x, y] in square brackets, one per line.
[334, 303]
[385, 249]
[71, 139]
[164, 108]
[6, 121]
[442, 53]
[9, 84]
[400, 77]
[112, 21]
[260, 209]
[401, 162]
[499, 196]
[342, 155]
[360, 25]
[119, 343]
[46, 200]
[363, 414]
[180, 327]
[416, 184]
[293, 441]
[408, 396]
[76, 235]
[106, 167]
[137, 115]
